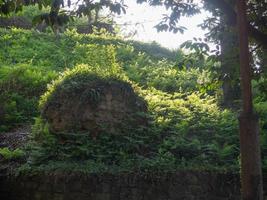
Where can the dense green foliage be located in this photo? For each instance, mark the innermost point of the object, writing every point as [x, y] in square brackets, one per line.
[165, 76]
[59, 52]
[20, 88]
[8, 154]
[260, 103]
[186, 129]
[29, 12]
[29, 60]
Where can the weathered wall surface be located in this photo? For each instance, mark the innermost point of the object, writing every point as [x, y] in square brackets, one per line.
[175, 186]
[94, 106]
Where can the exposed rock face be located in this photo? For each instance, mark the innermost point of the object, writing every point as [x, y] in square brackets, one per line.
[94, 107]
[19, 22]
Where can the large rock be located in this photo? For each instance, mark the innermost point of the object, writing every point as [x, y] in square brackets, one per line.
[94, 106]
[18, 22]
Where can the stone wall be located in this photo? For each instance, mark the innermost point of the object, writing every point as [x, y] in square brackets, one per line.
[172, 186]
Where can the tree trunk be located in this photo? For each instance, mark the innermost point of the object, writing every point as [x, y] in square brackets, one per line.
[251, 175]
[229, 66]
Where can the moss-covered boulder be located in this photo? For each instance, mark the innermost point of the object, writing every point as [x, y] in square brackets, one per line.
[88, 100]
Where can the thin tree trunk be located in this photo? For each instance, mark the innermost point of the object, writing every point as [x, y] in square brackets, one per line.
[229, 66]
[251, 175]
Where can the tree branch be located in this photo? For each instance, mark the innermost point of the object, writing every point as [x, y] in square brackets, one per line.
[229, 11]
[226, 8]
[259, 36]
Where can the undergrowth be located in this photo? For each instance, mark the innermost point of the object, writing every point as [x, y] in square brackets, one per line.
[186, 128]
[185, 131]
[20, 89]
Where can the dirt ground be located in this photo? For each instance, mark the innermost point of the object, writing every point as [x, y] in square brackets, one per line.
[15, 138]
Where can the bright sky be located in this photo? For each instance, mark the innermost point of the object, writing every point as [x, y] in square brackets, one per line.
[149, 16]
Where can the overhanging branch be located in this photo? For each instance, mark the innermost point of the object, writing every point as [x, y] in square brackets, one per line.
[229, 11]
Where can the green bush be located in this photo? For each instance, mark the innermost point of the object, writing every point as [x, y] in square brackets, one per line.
[21, 83]
[185, 131]
[261, 109]
[30, 11]
[8, 154]
[163, 75]
[20, 89]
[60, 52]
[196, 131]
[186, 128]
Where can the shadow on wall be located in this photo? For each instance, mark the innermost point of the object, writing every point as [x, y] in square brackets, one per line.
[171, 186]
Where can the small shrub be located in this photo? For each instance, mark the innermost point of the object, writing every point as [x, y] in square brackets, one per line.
[163, 75]
[8, 154]
[20, 89]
